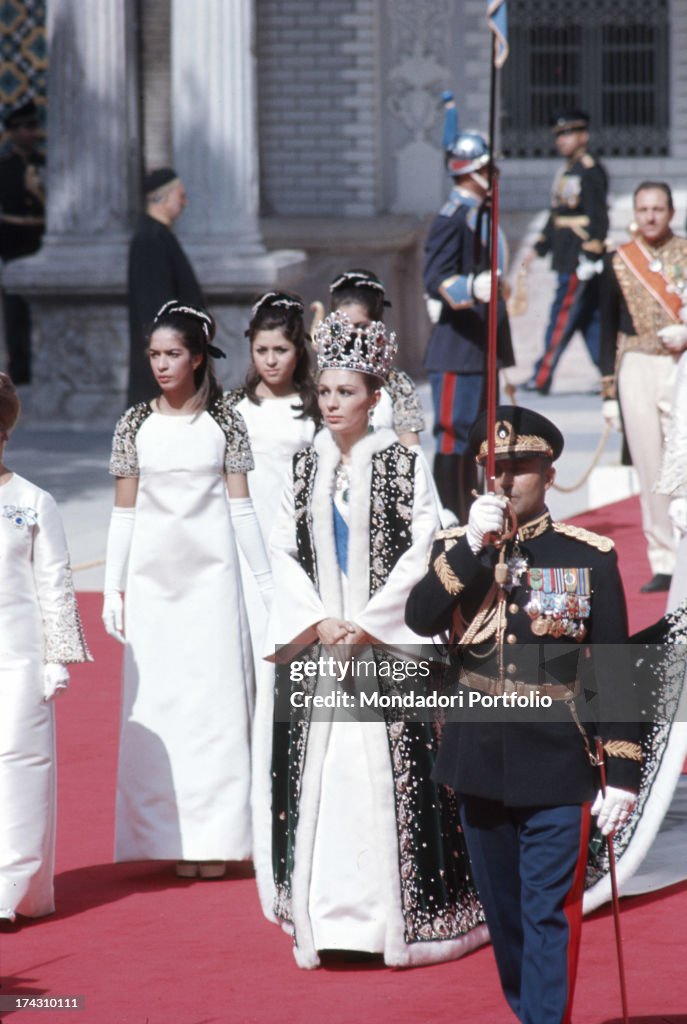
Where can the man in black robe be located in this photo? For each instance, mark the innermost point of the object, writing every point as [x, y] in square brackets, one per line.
[22, 211]
[159, 270]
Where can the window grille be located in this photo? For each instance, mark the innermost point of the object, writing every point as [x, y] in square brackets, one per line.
[608, 57]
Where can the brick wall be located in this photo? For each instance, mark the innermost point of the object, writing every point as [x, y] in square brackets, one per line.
[317, 106]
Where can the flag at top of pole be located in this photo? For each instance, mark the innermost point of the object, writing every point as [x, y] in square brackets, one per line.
[497, 18]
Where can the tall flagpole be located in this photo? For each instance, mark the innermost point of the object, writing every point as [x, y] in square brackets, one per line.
[492, 200]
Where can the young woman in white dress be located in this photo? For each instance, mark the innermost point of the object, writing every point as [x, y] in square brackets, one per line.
[278, 404]
[40, 634]
[181, 502]
[366, 851]
[361, 296]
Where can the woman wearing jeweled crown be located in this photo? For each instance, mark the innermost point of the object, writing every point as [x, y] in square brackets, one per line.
[181, 505]
[367, 856]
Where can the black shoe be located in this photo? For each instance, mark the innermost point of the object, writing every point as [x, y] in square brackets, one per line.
[660, 581]
[531, 385]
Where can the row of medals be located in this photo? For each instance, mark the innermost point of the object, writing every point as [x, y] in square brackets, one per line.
[552, 613]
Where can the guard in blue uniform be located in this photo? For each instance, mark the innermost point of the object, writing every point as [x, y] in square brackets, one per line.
[552, 632]
[458, 287]
[574, 235]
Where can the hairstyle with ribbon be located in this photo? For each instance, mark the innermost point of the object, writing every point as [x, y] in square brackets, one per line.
[284, 312]
[9, 405]
[196, 330]
[359, 286]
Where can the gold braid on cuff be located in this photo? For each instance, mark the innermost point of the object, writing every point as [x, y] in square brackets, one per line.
[623, 748]
[608, 387]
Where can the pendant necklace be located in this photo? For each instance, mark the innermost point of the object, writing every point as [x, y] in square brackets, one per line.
[343, 481]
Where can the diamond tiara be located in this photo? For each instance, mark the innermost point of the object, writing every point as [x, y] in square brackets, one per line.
[342, 345]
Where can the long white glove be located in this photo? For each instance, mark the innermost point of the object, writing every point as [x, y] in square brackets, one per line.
[487, 515]
[249, 535]
[55, 680]
[116, 559]
[611, 412]
[481, 286]
[674, 337]
[677, 510]
[613, 809]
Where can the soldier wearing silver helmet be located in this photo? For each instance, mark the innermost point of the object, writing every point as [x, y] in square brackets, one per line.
[458, 286]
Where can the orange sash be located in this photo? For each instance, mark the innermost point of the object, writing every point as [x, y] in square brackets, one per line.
[637, 259]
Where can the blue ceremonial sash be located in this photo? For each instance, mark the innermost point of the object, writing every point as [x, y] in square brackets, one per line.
[341, 539]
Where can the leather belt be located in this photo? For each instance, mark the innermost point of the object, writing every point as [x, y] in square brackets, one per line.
[498, 687]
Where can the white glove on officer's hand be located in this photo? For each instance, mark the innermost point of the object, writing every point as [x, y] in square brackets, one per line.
[677, 510]
[55, 680]
[587, 269]
[674, 337]
[434, 308]
[611, 413]
[481, 286]
[613, 809]
[487, 515]
[113, 615]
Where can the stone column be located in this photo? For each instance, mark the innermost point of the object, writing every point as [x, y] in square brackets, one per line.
[215, 139]
[216, 154]
[77, 282]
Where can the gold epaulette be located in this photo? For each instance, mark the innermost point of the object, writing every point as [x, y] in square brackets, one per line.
[452, 532]
[587, 160]
[449, 538]
[595, 540]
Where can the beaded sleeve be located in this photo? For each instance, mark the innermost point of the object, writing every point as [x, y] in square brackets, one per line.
[124, 458]
[407, 410]
[238, 457]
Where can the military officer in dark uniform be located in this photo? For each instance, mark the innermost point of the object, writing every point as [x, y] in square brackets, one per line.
[159, 270]
[526, 778]
[458, 287]
[575, 236]
[22, 222]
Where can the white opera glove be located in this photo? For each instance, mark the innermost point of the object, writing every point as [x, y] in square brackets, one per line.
[55, 680]
[613, 809]
[674, 337]
[611, 412]
[249, 536]
[487, 515]
[677, 510]
[587, 269]
[116, 560]
[481, 286]
[113, 615]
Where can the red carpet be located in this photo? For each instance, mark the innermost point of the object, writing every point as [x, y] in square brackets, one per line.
[145, 948]
[621, 521]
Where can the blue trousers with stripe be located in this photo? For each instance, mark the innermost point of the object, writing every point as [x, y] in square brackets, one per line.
[528, 864]
[575, 307]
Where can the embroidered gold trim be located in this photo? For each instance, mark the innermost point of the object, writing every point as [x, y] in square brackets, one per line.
[623, 748]
[522, 444]
[535, 528]
[595, 540]
[448, 579]
[648, 317]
